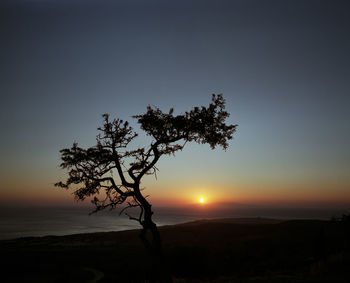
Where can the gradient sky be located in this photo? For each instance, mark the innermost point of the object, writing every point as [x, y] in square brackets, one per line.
[282, 66]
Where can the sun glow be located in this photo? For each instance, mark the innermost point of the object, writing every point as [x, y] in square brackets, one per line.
[201, 200]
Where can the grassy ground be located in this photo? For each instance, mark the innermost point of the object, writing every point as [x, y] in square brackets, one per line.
[245, 250]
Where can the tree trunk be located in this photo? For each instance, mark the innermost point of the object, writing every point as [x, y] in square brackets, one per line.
[154, 245]
[155, 248]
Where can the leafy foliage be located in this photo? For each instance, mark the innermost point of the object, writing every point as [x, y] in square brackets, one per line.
[90, 171]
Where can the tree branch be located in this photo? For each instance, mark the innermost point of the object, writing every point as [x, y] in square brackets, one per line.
[153, 162]
[110, 179]
[119, 168]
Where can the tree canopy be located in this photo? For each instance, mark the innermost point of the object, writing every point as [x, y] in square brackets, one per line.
[91, 171]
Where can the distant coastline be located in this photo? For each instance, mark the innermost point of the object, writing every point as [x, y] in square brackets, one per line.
[31, 221]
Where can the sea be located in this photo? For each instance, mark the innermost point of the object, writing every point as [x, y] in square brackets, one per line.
[32, 221]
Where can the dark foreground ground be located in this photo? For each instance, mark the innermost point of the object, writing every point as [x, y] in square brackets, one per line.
[227, 250]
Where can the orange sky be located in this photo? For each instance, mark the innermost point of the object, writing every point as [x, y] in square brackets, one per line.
[282, 69]
[163, 193]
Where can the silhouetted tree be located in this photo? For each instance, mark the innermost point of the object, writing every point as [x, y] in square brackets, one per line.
[90, 171]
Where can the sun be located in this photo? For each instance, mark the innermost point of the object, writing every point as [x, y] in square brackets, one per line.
[201, 200]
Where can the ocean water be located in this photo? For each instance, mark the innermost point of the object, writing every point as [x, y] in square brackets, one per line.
[18, 222]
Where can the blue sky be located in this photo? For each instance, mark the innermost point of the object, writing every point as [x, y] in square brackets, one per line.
[283, 67]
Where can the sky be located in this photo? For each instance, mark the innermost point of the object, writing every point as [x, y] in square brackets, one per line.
[282, 66]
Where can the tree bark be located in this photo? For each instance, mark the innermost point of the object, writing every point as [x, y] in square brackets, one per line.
[155, 247]
[155, 243]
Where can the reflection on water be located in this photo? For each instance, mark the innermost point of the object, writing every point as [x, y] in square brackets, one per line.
[41, 221]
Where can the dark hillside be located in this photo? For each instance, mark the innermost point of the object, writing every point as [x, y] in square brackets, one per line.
[224, 250]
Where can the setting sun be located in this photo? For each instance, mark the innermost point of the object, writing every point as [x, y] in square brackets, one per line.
[201, 200]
